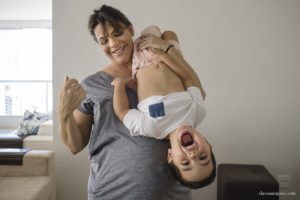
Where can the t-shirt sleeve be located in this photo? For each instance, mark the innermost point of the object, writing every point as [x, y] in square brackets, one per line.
[195, 92]
[137, 122]
[86, 106]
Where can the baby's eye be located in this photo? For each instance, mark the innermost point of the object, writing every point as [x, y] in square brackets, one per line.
[203, 157]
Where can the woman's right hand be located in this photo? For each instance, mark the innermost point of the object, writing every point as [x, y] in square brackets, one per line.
[71, 95]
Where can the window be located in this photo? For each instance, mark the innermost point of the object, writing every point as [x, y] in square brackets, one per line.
[25, 67]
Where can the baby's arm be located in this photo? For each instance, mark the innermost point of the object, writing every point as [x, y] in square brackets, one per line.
[136, 121]
[120, 99]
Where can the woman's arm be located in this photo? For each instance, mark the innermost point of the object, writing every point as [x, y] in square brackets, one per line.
[75, 131]
[75, 126]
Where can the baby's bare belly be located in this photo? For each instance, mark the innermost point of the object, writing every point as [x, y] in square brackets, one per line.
[157, 79]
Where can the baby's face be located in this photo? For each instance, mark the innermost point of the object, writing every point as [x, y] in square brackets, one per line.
[191, 153]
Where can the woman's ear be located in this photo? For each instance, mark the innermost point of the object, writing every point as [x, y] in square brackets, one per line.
[169, 156]
[131, 29]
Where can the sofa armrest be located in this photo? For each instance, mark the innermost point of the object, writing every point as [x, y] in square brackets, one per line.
[35, 163]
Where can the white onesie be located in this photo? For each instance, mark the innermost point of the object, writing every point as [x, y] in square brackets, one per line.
[158, 116]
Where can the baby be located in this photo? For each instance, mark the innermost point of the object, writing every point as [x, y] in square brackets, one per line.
[170, 107]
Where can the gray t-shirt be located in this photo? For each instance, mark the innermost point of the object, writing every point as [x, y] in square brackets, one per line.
[123, 166]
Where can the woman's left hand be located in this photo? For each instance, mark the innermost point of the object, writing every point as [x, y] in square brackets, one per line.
[149, 40]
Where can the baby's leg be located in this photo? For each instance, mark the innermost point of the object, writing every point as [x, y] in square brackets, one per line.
[172, 38]
[169, 35]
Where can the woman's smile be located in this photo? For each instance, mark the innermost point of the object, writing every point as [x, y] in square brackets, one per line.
[119, 51]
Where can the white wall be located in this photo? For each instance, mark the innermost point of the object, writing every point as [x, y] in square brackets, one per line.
[247, 54]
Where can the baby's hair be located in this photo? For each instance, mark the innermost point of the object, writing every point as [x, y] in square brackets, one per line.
[197, 184]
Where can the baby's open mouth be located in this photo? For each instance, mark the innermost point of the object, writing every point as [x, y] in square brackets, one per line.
[186, 139]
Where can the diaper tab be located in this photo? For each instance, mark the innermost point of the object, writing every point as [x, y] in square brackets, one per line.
[157, 110]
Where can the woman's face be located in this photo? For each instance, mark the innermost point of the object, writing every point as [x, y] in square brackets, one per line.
[117, 45]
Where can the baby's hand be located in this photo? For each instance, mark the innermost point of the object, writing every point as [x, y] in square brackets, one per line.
[120, 80]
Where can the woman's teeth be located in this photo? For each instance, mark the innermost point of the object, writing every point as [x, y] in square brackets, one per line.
[119, 50]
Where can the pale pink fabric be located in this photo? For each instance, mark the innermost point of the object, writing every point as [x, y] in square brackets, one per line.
[144, 57]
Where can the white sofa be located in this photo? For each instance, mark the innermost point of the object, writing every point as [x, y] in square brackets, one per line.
[43, 140]
[34, 180]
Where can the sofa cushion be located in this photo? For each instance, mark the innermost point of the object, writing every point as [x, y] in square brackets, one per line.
[46, 128]
[26, 188]
[37, 142]
[35, 163]
[31, 123]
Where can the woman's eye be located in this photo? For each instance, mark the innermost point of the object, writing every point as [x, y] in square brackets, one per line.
[203, 157]
[103, 42]
[185, 163]
[118, 33]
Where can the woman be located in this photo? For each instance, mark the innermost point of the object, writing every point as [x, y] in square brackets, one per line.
[118, 169]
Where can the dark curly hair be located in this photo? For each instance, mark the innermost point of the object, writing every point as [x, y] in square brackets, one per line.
[107, 14]
[198, 184]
